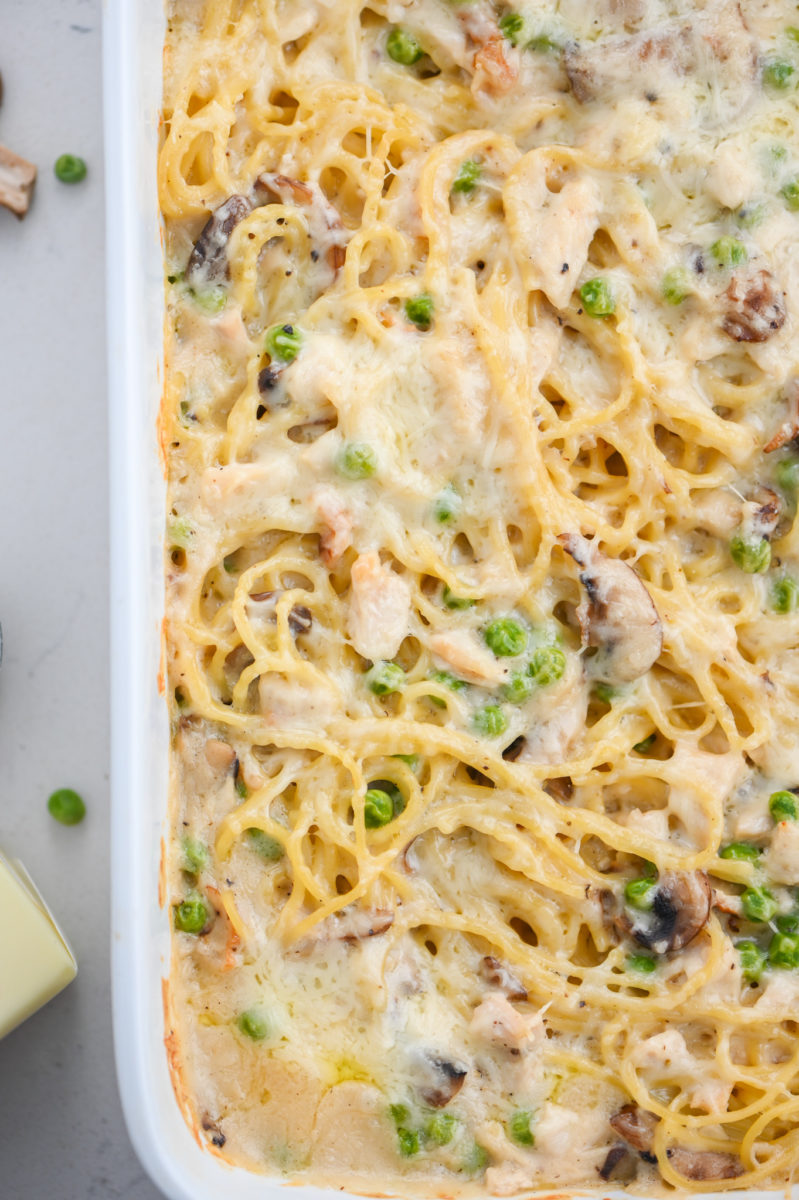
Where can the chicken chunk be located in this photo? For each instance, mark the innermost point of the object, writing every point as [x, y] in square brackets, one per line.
[380, 605]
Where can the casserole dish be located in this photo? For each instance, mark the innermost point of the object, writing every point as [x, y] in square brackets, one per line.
[140, 932]
[140, 724]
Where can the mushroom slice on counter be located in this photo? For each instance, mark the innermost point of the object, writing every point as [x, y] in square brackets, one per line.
[17, 177]
[621, 617]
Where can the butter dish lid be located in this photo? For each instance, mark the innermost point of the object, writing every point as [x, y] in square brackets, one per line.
[36, 961]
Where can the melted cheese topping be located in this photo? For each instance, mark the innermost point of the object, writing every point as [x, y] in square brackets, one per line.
[482, 625]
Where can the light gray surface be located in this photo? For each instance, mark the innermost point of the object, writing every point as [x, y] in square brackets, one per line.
[61, 1130]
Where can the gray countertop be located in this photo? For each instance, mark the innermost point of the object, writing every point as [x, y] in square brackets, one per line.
[62, 1134]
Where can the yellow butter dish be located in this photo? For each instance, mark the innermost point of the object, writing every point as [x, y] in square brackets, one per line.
[37, 960]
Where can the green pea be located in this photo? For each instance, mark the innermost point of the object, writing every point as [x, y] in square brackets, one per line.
[195, 855]
[267, 847]
[643, 963]
[447, 505]
[753, 960]
[740, 852]
[787, 922]
[519, 1127]
[419, 310]
[211, 300]
[518, 688]
[448, 680]
[729, 252]
[784, 595]
[786, 474]
[793, 33]
[646, 745]
[505, 637]
[400, 1114]
[510, 26]
[490, 720]
[242, 791]
[191, 915]
[597, 298]
[640, 893]
[605, 692]
[229, 563]
[378, 808]
[750, 216]
[284, 342]
[542, 44]
[456, 602]
[440, 1128]
[783, 951]
[752, 555]
[758, 904]
[676, 285]
[356, 460]
[408, 1141]
[467, 177]
[777, 74]
[547, 665]
[70, 168]
[790, 194]
[410, 760]
[384, 678]
[66, 806]
[403, 47]
[253, 1024]
[784, 806]
[475, 1160]
[180, 532]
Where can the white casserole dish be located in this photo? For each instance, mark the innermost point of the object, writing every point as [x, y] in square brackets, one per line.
[133, 40]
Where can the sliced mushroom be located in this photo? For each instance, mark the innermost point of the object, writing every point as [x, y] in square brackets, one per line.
[755, 307]
[300, 617]
[766, 512]
[704, 1164]
[680, 909]
[637, 1127]
[438, 1079]
[621, 617]
[494, 972]
[208, 262]
[618, 1164]
[211, 1126]
[17, 177]
[352, 924]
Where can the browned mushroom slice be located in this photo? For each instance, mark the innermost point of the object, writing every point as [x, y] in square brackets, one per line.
[300, 617]
[704, 1164]
[212, 1127]
[17, 177]
[755, 307]
[789, 429]
[680, 909]
[352, 924]
[621, 617]
[650, 62]
[498, 976]
[619, 1164]
[438, 1079]
[766, 515]
[637, 1127]
[208, 262]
